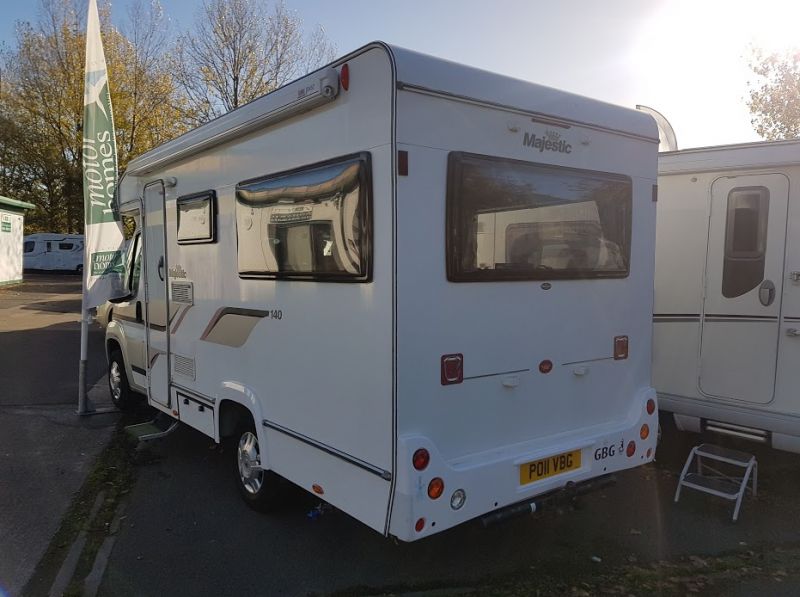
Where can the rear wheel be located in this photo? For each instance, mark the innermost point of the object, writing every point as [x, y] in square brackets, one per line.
[121, 394]
[79, 269]
[262, 490]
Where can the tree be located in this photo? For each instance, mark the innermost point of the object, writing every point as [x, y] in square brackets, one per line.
[241, 49]
[774, 99]
[41, 100]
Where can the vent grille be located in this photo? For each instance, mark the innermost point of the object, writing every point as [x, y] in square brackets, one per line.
[182, 365]
[183, 292]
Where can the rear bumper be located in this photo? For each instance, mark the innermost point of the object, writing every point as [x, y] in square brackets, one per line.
[492, 479]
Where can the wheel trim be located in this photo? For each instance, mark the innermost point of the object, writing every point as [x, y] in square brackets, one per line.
[248, 458]
[115, 380]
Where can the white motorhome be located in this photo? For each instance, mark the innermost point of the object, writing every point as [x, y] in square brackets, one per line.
[49, 251]
[727, 309]
[315, 280]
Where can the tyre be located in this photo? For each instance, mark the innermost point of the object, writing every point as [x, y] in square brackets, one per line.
[261, 490]
[79, 269]
[121, 394]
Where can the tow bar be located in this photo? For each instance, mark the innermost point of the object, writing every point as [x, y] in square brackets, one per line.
[569, 492]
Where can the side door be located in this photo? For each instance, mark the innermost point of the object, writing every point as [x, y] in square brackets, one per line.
[155, 275]
[744, 283]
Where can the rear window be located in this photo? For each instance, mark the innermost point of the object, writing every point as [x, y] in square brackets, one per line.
[28, 246]
[513, 220]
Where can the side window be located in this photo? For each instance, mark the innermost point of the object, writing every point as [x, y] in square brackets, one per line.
[49, 246]
[65, 246]
[745, 240]
[136, 262]
[197, 218]
[28, 246]
[312, 223]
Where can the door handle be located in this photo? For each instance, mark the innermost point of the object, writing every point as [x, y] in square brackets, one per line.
[766, 292]
[160, 268]
[139, 312]
[792, 332]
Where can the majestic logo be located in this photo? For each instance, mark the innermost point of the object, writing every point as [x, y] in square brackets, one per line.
[551, 141]
[177, 271]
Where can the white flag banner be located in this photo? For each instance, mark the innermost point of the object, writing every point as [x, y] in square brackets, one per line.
[103, 266]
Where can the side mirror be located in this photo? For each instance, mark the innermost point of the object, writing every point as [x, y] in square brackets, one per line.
[139, 312]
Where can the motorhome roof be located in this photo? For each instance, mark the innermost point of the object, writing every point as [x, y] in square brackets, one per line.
[760, 154]
[423, 73]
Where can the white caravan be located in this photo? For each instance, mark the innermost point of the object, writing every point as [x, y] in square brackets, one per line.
[49, 251]
[419, 290]
[727, 309]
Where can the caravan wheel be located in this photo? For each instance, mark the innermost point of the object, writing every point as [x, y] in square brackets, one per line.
[261, 489]
[121, 394]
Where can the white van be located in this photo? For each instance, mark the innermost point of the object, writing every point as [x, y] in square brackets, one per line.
[49, 251]
[418, 290]
[727, 310]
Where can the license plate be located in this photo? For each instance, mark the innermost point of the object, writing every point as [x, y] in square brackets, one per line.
[549, 467]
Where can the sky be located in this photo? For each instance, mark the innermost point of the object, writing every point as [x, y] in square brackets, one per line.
[686, 59]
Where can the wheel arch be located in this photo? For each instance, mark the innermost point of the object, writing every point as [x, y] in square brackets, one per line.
[236, 401]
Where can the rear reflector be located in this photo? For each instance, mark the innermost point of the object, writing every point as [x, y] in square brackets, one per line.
[651, 406]
[631, 449]
[421, 459]
[452, 369]
[620, 347]
[420, 525]
[344, 77]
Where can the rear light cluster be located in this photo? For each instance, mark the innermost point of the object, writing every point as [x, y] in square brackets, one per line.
[420, 461]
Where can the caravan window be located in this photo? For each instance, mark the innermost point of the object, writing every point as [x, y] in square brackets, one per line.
[745, 240]
[311, 223]
[514, 220]
[197, 218]
[28, 246]
[65, 246]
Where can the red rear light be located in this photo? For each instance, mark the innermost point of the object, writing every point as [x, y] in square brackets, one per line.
[435, 488]
[421, 459]
[344, 77]
[452, 369]
[651, 406]
[620, 347]
[545, 366]
[420, 525]
[631, 449]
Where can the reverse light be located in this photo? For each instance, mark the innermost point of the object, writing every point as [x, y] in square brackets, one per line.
[631, 449]
[421, 459]
[651, 406]
[620, 348]
[458, 499]
[452, 369]
[435, 488]
[344, 77]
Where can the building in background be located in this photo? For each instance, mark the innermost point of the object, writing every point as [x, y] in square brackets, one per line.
[12, 214]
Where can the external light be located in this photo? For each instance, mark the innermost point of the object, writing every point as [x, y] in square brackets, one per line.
[651, 406]
[631, 449]
[452, 369]
[644, 432]
[457, 499]
[620, 348]
[344, 77]
[546, 366]
[435, 488]
[421, 459]
[419, 525]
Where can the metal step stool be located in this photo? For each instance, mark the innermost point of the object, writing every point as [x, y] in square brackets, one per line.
[729, 487]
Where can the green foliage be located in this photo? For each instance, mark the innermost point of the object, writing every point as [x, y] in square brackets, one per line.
[774, 100]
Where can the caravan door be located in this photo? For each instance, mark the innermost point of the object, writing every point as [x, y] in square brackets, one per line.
[744, 279]
[155, 257]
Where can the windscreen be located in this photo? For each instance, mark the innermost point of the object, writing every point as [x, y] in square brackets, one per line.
[513, 220]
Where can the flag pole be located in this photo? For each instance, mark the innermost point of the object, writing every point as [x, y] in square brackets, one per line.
[103, 236]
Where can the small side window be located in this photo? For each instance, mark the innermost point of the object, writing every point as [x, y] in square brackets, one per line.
[65, 246]
[197, 218]
[745, 240]
[49, 246]
[28, 246]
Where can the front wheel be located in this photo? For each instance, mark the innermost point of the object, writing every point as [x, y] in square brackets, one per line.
[121, 394]
[261, 489]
